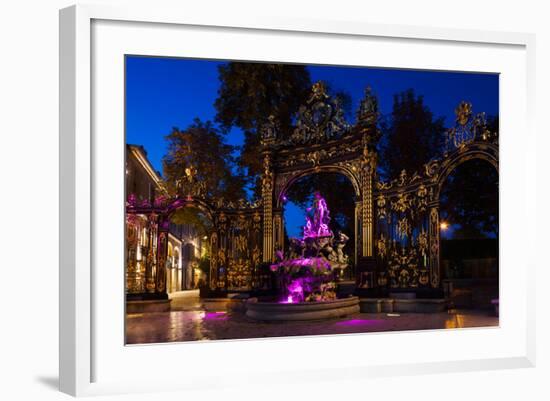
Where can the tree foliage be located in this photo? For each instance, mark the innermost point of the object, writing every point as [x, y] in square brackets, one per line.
[201, 149]
[469, 200]
[249, 93]
[193, 217]
[411, 136]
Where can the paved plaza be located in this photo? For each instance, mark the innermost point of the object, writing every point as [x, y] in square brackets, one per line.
[191, 320]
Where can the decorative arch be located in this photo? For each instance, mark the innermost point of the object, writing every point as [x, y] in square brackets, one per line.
[288, 181]
[196, 203]
[480, 151]
[322, 141]
[407, 207]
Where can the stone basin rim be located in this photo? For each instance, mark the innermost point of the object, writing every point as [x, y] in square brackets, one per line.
[302, 306]
[274, 311]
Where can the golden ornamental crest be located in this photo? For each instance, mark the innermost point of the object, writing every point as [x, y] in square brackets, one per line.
[463, 113]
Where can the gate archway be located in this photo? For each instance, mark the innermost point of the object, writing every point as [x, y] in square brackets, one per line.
[322, 141]
[339, 193]
[407, 208]
[235, 242]
[475, 150]
[468, 205]
[287, 182]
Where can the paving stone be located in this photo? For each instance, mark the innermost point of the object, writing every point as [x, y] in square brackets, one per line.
[191, 322]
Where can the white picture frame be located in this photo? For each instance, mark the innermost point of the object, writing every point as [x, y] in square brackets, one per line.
[81, 346]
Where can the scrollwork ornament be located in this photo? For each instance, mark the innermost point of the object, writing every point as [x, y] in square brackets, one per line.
[423, 242]
[403, 227]
[381, 206]
[269, 131]
[368, 108]
[267, 177]
[467, 127]
[431, 169]
[381, 185]
[402, 204]
[422, 198]
[381, 246]
[402, 180]
[320, 120]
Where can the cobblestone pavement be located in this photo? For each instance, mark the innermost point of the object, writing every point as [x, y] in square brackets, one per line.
[189, 320]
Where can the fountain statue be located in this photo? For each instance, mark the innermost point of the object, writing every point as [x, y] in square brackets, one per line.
[314, 262]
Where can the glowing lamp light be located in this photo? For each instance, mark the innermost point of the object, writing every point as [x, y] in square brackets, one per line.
[444, 225]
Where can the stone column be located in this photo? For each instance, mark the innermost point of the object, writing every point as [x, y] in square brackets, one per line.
[367, 117]
[358, 230]
[367, 220]
[267, 197]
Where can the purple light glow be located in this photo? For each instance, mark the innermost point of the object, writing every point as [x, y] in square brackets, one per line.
[307, 275]
[318, 263]
[289, 300]
[215, 316]
[358, 322]
[296, 291]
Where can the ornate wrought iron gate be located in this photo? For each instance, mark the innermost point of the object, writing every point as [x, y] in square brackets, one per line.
[235, 244]
[322, 141]
[396, 223]
[407, 208]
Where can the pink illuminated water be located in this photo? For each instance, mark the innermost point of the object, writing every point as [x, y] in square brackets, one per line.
[288, 300]
[308, 274]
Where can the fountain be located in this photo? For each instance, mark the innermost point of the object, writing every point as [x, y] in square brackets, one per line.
[307, 276]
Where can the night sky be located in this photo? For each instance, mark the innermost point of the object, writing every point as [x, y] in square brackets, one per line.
[162, 93]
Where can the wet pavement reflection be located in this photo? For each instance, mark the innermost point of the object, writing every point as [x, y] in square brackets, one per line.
[192, 320]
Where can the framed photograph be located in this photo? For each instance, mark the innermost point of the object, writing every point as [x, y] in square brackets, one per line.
[293, 196]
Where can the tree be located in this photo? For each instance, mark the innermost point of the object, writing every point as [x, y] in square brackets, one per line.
[411, 136]
[469, 200]
[249, 93]
[493, 124]
[198, 156]
[193, 217]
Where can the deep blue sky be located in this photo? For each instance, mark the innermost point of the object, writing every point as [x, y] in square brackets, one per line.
[165, 92]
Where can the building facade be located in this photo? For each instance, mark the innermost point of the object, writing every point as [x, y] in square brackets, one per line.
[180, 270]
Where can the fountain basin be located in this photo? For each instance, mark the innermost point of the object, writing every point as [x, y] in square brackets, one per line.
[275, 311]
